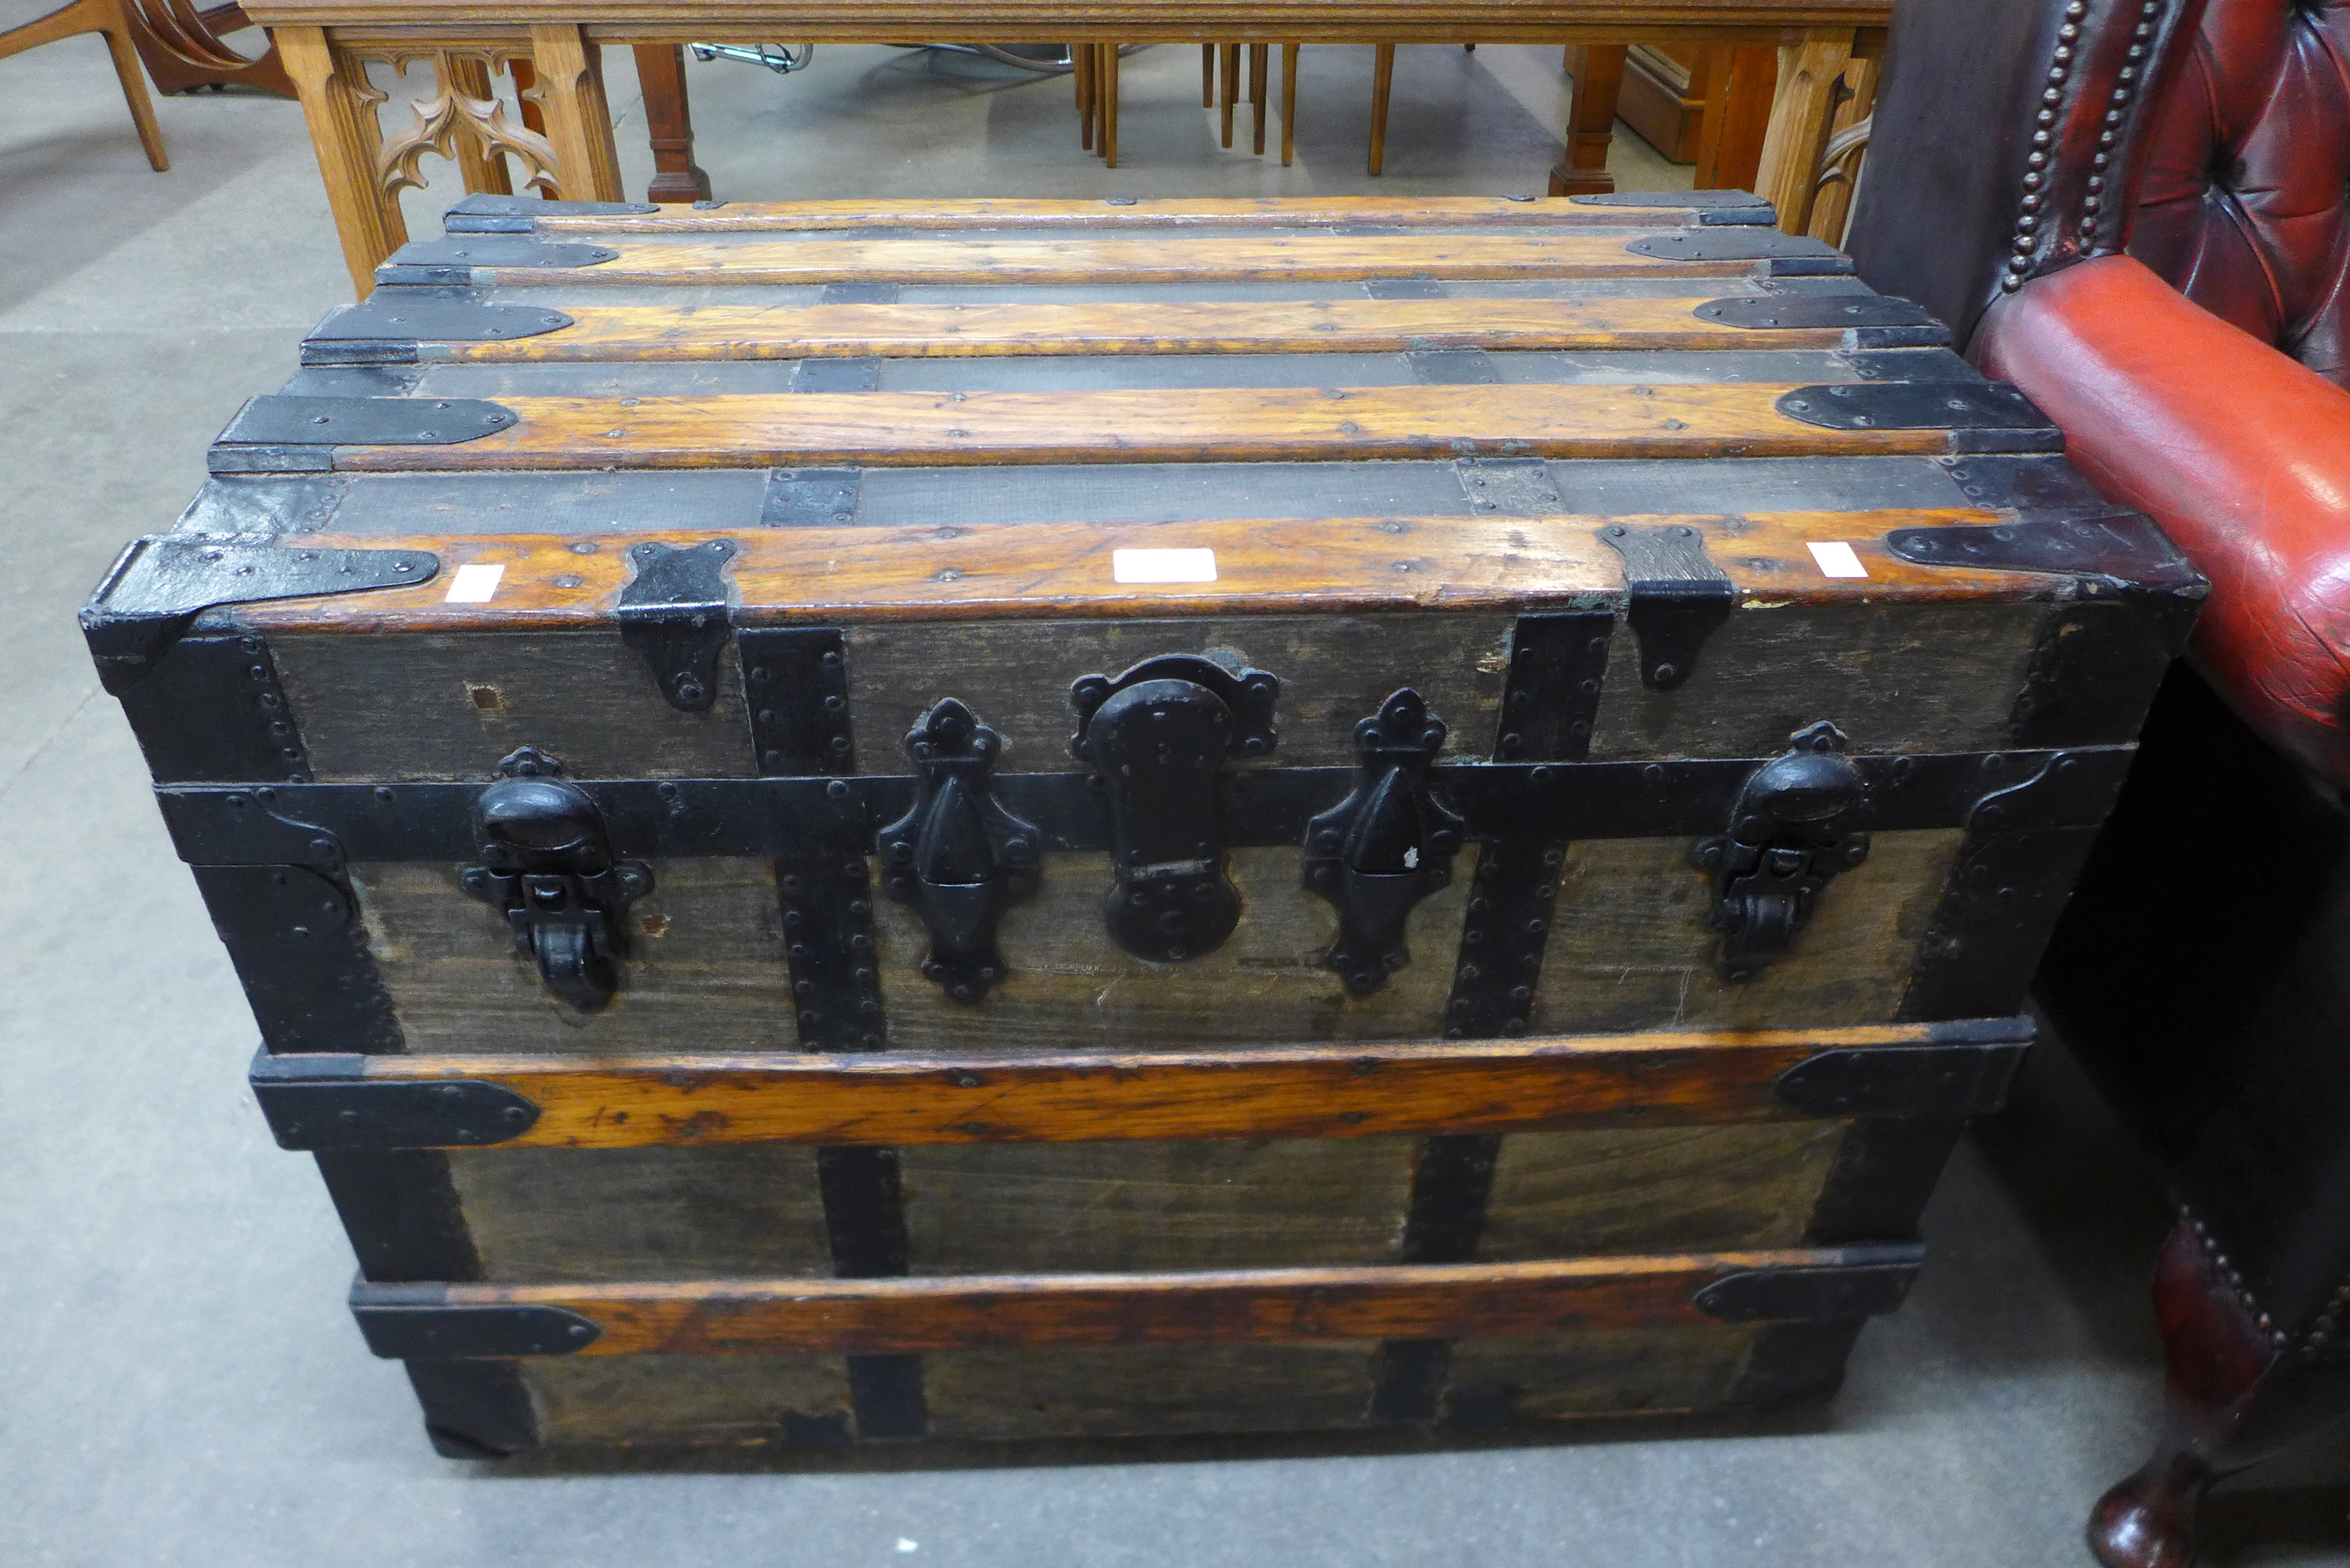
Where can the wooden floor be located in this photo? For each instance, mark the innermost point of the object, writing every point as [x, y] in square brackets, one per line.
[182, 1386]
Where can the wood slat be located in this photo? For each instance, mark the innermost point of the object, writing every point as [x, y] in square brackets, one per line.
[398, 22]
[1159, 258]
[1045, 571]
[1152, 425]
[626, 333]
[1250, 1092]
[882, 1316]
[1135, 213]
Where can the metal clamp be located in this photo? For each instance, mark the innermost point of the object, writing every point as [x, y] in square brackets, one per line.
[958, 858]
[547, 866]
[1386, 846]
[1159, 734]
[1783, 845]
[1675, 597]
[674, 612]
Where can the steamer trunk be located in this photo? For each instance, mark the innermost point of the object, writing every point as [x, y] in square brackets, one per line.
[857, 821]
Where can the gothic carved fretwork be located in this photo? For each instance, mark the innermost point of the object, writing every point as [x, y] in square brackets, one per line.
[464, 124]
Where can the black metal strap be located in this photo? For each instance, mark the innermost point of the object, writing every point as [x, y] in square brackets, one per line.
[810, 497]
[388, 326]
[795, 683]
[212, 708]
[1548, 699]
[1513, 487]
[482, 214]
[1784, 255]
[301, 951]
[2014, 872]
[157, 587]
[320, 823]
[1710, 206]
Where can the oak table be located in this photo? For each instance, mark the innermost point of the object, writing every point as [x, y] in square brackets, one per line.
[564, 146]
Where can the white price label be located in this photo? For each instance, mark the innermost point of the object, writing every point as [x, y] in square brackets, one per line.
[1836, 560]
[1163, 565]
[474, 585]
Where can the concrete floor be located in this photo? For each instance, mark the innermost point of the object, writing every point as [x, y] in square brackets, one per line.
[179, 1382]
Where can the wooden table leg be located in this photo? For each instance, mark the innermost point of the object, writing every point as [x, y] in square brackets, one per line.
[1382, 85]
[579, 119]
[1599, 71]
[1259, 67]
[1107, 88]
[1231, 64]
[1800, 112]
[340, 106]
[1737, 114]
[1207, 76]
[1081, 60]
[669, 125]
[1288, 103]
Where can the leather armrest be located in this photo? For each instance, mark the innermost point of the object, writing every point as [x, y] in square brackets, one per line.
[2241, 453]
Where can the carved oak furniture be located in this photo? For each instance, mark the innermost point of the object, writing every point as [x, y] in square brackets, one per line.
[326, 44]
[182, 47]
[1389, 812]
[104, 17]
[2148, 232]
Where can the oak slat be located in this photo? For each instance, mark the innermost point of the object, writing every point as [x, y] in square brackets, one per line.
[853, 1317]
[1256, 1092]
[625, 332]
[1149, 425]
[1158, 258]
[1047, 571]
[1139, 212]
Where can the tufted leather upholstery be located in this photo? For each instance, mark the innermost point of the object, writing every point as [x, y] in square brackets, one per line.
[2244, 204]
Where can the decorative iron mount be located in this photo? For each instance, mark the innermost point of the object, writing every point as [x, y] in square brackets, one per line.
[958, 858]
[1158, 734]
[1785, 844]
[674, 613]
[1386, 846]
[547, 866]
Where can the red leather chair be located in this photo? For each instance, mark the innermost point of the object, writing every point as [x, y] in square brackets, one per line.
[2134, 210]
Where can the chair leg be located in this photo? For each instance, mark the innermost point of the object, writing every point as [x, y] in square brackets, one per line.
[1109, 105]
[104, 17]
[1288, 103]
[134, 86]
[1207, 76]
[1382, 79]
[1260, 59]
[1231, 69]
[2234, 1397]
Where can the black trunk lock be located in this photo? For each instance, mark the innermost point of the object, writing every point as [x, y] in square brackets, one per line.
[1159, 734]
[547, 866]
[1785, 844]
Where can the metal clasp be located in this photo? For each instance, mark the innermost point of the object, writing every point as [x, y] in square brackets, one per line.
[1386, 846]
[547, 866]
[958, 858]
[1159, 734]
[1785, 843]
